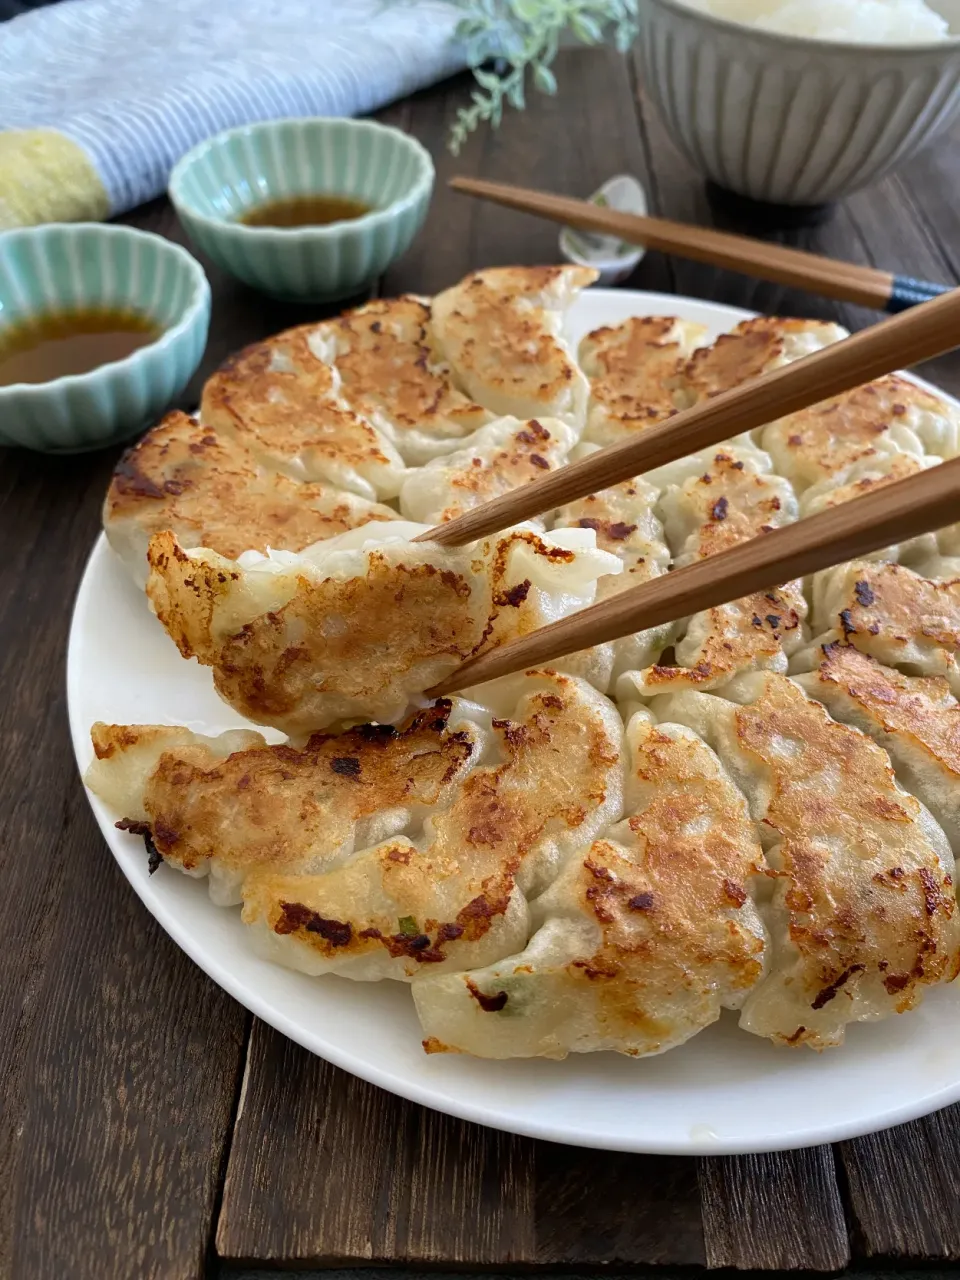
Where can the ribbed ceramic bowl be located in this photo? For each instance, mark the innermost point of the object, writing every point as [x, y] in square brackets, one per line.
[68, 266]
[222, 178]
[792, 120]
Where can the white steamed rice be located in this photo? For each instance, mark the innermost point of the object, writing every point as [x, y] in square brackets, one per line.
[863, 21]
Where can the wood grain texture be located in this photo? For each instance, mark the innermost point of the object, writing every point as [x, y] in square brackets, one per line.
[118, 1059]
[327, 1169]
[610, 1208]
[560, 143]
[902, 1190]
[774, 1212]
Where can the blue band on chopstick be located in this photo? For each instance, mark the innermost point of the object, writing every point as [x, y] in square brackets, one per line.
[907, 292]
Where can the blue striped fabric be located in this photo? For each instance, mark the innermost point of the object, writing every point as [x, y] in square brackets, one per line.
[138, 82]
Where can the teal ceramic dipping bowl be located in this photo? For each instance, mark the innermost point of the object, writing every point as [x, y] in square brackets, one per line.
[78, 265]
[226, 176]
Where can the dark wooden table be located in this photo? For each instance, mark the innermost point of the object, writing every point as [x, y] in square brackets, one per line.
[149, 1126]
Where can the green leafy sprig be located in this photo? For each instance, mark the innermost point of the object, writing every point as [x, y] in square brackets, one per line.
[521, 36]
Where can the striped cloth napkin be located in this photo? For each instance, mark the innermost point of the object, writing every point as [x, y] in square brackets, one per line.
[99, 98]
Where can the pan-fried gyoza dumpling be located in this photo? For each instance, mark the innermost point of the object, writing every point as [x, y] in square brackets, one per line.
[538, 578]
[903, 618]
[624, 520]
[732, 501]
[875, 471]
[735, 494]
[753, 348]
[211, 492]
[891, 415]
[341, 631]
[915, 718]
[278, 398]
[500, 457]
[232, 805]
[636, 374]
[642, 939]
[390, 373]
[359, 626]
[455, 895]
[501, 331]
[934, 421]
[742, 449]
[864, 914]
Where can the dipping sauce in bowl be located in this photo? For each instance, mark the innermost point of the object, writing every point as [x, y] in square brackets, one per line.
[310, 209]
[304, 211]
[56, 344]
[101, 327]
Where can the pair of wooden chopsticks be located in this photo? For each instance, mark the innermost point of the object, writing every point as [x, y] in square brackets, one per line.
[928, 500]
[847, 281]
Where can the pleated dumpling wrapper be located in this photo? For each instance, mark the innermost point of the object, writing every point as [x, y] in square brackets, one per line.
[864, 915]
[454, 894]
[501, 331]
[735, 498]
[389, 371]
[916, 719]
[646, 934]
[636, 372]
[903, 617]
[750, 350]
[210, 491]
[871, 472]
[890, 415]
[753, 348]
[228, 806]
[279, 398]
[359, 626]
[625, 522]
[500, 457]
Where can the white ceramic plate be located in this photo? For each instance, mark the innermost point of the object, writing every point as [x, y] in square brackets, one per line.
[723, 1092]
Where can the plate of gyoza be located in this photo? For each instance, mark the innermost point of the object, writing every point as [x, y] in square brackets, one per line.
[691, 891]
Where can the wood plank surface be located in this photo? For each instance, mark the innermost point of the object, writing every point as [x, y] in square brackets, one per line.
[903, 1189]
[118, 1058]
[327, 1169]
[121, 1064]
[553, 144]
[608, 1207]
[774, 1212]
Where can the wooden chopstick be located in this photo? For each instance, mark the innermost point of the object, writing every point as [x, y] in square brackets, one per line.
[927, 330]
[897, 512]
[847, 281]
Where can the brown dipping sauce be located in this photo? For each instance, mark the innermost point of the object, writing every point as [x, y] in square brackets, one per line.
[55, 344]
[304, 211]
